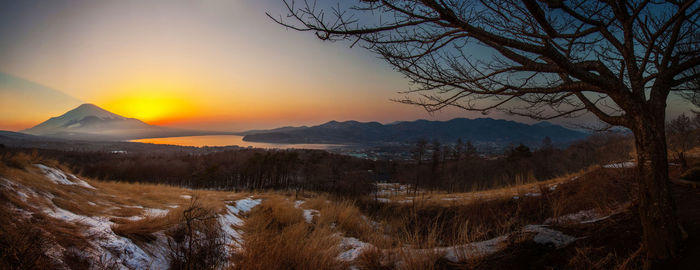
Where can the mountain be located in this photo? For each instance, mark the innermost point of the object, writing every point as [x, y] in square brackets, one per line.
[481, 131]
[281, 129]
[90, 122]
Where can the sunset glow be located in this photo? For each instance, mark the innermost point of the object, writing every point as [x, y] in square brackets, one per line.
[194, 64]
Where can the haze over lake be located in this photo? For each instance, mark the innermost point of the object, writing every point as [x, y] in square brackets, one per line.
[228, 140]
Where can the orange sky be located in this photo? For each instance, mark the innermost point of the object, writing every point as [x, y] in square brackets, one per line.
[195, 64]
[216, 65]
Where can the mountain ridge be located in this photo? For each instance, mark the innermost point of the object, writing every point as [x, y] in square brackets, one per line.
[479, 130]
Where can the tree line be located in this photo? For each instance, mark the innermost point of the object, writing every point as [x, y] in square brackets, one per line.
[450, 167]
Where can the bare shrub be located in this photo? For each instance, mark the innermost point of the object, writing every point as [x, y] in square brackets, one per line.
[197, 242]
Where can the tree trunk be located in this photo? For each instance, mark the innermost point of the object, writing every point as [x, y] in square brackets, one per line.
[662, 234]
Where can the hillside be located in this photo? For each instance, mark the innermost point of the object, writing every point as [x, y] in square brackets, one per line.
[63, 220]
[479, 131]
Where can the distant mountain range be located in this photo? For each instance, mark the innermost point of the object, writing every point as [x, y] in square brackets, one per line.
[89, 122]
[481, 131]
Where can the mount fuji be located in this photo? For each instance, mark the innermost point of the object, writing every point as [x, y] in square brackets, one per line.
[90, 122]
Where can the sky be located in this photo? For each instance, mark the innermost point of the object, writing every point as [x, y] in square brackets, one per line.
[210, 65]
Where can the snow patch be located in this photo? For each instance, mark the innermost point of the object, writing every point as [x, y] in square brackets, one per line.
[621, 165]
[230, 220]
[59, 177]
[245, 205]
[22, 196]
[309, 215]
[548, 236]
[475, 249]
[130, 255]
[186, 197]
[156, 212]
[583, 216]
[352, 247]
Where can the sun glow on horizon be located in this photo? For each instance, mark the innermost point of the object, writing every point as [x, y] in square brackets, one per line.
[151, 106]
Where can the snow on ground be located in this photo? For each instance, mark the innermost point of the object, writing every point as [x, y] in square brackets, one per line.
[129, 255]
[22, 196]
[309, 214]
[475, 249]
[384, 200]
[583, 216]
[387, 200]
[59, 177]
[352, 248]
[621, 165]
[230, 221]
[391, 188]
[548, 236]
[186, 197]
[156, 212]
[245, 205]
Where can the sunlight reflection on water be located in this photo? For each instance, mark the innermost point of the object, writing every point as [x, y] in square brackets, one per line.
[227, 140]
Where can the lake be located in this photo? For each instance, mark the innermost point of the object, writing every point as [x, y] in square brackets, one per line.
[228, 140]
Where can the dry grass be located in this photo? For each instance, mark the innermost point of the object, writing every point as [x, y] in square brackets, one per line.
[503, 192]
[143, 230]
[24, 186]
[276, 236]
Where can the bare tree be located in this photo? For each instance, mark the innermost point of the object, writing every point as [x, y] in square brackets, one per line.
[418, 154]
[619, 60]
[681, 137]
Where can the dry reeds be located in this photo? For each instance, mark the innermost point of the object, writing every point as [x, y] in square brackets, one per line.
[276, 236]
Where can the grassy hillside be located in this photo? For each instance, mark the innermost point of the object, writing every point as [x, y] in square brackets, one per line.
[55, 219]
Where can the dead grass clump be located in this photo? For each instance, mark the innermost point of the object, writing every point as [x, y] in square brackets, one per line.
[18, 160]
[76, 207]
[600, 258]
[276, 236]
[428, 225]
[346, 216]
[602, 190]
[429, 259]
[142, 230]
[126, 211]
[375, 259]
[22, 244]
[68, 235]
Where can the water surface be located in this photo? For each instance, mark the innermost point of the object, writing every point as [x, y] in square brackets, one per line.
[228, 140]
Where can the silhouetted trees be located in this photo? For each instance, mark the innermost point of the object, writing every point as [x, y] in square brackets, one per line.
[682, 134]
[246, 169]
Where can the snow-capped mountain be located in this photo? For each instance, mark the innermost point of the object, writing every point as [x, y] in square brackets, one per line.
[91, 122]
